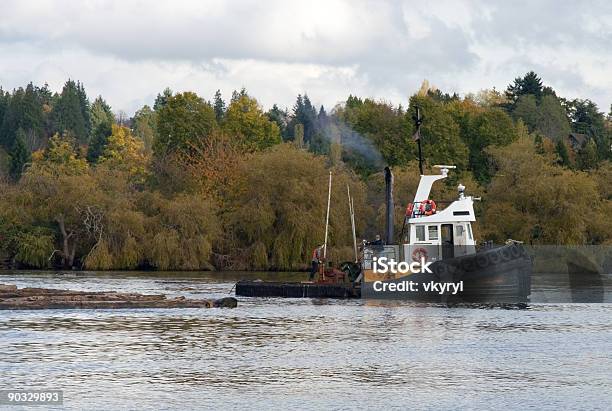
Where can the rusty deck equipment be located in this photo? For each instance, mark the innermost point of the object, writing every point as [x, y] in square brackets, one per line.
[296, 289]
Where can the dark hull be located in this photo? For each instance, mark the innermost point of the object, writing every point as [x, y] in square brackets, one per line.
[497, 275]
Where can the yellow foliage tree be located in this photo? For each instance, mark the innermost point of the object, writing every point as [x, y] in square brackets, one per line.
[245, 118]
[531, 200]
[125, 152]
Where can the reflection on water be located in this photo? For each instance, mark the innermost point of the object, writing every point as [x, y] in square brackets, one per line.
[304, 353]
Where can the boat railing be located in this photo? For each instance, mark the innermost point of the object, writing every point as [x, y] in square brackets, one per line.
[416, 207]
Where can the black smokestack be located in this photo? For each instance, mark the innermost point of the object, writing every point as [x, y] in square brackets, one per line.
[389, 202]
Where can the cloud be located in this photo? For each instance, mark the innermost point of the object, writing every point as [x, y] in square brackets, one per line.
[130, 50]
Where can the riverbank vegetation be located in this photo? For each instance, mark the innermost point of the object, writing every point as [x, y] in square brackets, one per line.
[191, 184]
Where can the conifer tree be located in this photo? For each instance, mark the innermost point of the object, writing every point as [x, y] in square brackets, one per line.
[162, 99]
[281, 118]
[528, 84]
[219, 106]
[68, 113]
[19, 155]
[100, 112]
[99, 140]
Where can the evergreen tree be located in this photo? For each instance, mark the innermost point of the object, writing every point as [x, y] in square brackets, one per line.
[24, 111]
[322, 117]
[219, 106]
[529, 84]
[12, 118]
[68, 113]
[4, 102]
[236, 95]
[99, 140]
[100, 113]
[19, 155]
[162, 99]
[587, 119]
[304, 113]
[85, 107]
[281, 118]
[353, 101]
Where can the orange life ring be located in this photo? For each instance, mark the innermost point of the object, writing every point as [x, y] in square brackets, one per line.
[419, 253]
[427, 207]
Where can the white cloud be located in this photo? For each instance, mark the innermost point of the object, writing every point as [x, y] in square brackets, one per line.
[128, 51]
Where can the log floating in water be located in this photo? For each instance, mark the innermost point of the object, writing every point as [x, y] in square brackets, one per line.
[13, 298]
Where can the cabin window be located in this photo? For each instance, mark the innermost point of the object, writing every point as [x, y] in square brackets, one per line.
[459, 231]
[433, 232]
[420, 232]
[470, 231]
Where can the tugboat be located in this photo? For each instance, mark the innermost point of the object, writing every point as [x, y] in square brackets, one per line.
[440, 240]
[444, 241]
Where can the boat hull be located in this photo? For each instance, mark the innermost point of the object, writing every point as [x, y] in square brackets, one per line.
[496, 275]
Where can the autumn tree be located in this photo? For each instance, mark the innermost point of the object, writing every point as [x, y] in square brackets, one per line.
[526, 109]
[376, 122]
[440, 134]
[145, 126]
[182, 119]
[532, 200]
[245, 119]
[269, 232]
[552, 119]
[61, 191]
[125, 152]
[480, 129]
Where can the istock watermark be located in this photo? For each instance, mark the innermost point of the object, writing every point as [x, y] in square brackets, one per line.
[383, 265]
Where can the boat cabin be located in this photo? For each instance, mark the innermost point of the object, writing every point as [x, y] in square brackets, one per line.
[438, 234]
[431, 233]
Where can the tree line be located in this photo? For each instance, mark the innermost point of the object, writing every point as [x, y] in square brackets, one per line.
[193, 184]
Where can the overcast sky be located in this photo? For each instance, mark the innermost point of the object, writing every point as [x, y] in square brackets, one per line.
[128, 51]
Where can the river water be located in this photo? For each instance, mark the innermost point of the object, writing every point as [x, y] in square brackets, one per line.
[312, 354]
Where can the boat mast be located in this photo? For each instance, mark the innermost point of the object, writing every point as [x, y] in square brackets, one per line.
[352, 213]
[327, 218]
[417, 136]
[418, 120]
